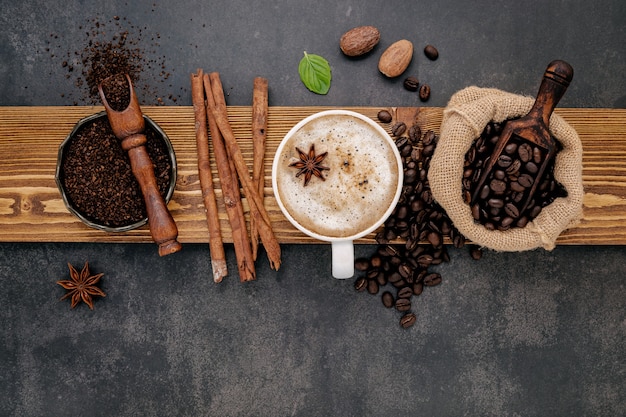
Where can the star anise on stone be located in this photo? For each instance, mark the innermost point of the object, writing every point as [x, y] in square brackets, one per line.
[310, 164]
[82, 286]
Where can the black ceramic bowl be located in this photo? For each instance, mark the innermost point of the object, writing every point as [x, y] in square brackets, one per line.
[154, 133]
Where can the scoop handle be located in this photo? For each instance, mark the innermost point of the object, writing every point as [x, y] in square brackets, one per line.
[556, 79]
[162, 226]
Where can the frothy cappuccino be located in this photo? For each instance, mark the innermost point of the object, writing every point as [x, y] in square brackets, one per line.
[360, 187]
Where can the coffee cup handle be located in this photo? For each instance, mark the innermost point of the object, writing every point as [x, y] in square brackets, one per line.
[343, 259]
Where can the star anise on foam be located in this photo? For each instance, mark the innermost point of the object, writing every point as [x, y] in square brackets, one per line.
[310, 164]
[82, 286]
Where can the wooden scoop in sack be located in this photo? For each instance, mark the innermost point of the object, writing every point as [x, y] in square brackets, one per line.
[128, 126]
[533, 128]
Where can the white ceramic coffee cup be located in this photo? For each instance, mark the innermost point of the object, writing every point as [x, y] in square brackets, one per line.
[361, 188]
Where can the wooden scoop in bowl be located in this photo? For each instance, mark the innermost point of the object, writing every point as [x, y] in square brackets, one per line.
[128, 126]
[532, 129]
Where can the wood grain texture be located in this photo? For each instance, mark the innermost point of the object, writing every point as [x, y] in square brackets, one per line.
[31, 208]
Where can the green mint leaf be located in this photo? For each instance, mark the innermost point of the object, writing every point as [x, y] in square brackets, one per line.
[315, 73]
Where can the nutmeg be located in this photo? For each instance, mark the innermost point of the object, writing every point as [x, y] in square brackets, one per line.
[359, 40]
[395, 60]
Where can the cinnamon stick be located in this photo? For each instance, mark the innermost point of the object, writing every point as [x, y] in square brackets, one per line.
[257, 209]
[216, 245]
[230, 190]
[259, 135]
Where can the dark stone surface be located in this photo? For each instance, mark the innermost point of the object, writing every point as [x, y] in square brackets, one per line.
[534, 334]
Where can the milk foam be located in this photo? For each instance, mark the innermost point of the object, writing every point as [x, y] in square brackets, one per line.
[359, 187]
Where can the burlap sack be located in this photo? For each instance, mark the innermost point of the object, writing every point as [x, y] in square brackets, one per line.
[464, 119]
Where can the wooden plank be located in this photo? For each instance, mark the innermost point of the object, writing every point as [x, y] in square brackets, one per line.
[31, 209]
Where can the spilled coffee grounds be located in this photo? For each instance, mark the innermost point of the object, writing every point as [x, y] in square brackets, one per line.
[117, 92]
[97, 176]
[112, 46]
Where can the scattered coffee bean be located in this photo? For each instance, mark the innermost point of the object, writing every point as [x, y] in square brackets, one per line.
[431, 52]
[372, 286]
[384, 116]
[411, 83]
[424, 92]
[388, 300]
[432, 279]
[476, 253]
[398, 129]
[415, 133]
[360, 284]
[421, 222]
[403, 304]
[362, 264]
[405, 292]
[408, 320]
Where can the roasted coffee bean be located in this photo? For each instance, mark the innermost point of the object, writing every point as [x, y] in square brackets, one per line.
[424, 92]
[401, 141]
[394, 277]
[525, 152]
[497, 186]
[526, 180]
[522, 222]
[419, 275]
[431, 52]
[471, 155]
[372, 286]
[411, 83]
[403, 304]
[510, 148]
[497, 203]
[415, 133]
[425, 260]
[406, 150]
[400, 284]
[517, 187]
[408, 320]
[427, 196]
[398, 129]
[499, 174]
[401, 212]
[384, 116]
[531, 167]
[429, 137]
[361, 264]
[405, 270]
[432, 279]
[418, 287]
[514, 167]
[534, 212]
[517, 197]
[476, 253]
[405, 292]
[410, 175]
[476, 212]
[512, 210]
[435, 239]
[360, 284]
[428, 150]
[375, 261]
[388, 300]
[537, 155]
[504, 161]
[506, 222]
[381, 279]
[484, 192]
